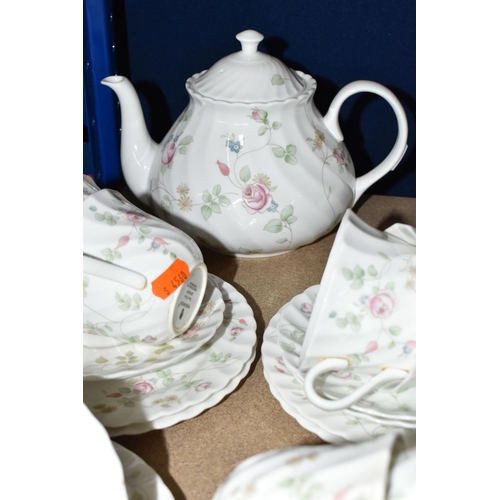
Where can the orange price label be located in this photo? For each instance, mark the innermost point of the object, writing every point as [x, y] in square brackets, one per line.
[168, 282]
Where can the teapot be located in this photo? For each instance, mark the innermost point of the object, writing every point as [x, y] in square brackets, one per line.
[250, 168]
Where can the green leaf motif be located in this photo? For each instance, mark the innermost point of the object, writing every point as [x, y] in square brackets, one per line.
[277, 80]
[246, 251]
[291, 219]
[207, 197]
[215, 207]
[291, 149]
[216, 190]
[99, 217]
[124, 390]
[274, 226]
[245, 173]
[144, 230]
[286, 212]
[279, 152]
[372, 271]
[395, 330]
[187, 140]
[206, 211]
[224, 201]
[383, 255]
[276, 125]
[347, 273]
[341, 322]
[183, 150]
[101, 360]
[282, 240]
[358, 272]
[357, 283]
[291, 160]
[262, 130]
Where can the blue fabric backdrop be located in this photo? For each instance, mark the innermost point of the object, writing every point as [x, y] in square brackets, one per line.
[161, 43]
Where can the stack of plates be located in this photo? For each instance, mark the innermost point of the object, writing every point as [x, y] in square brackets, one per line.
[373, 416]
[132, 389]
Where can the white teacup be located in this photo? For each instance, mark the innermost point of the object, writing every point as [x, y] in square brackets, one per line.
[363, 323]
[144, 279]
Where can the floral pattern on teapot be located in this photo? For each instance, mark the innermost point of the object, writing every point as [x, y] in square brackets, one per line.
[255, 191]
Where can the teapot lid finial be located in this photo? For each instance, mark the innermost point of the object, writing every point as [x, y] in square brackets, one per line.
[250, 40]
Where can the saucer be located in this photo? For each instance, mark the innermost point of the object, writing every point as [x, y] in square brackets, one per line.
[141, 480]
[164, 393]
[291, 328]
[129, 360]
[334, 426]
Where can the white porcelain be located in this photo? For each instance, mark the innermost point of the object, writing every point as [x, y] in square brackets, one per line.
[250, 168]
[159, 393]
[365, 312]
[141, 480]
[394, 409]
[332, 426]
[89, 187]
[359, 471]
[142, 276]
[104, 362]
[103, 469]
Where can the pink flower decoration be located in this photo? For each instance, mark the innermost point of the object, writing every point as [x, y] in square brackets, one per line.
[382, 305]
[160, 241]
[224, 169]
[203, 386]
[122, 241]
[342, 374]
[339, 156]
[236, 331]
[256, 198]
[149, 339]
[242, 322]
[169, 153]
[306, 308]
[142, 388]
[191, 331]
[372, 346]
[135, 217]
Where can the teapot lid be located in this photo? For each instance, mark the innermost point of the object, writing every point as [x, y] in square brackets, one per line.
[248, 76]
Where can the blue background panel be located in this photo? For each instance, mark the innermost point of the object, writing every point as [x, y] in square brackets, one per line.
[161, 43]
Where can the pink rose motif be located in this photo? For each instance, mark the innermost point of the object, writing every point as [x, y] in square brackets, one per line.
[409, 346]
[382, 305]
[243, 322]
[135, 217]
[371, 346]
[148, 339]
[339, 156]
[256, 198]
[191, 331]
[236, 331]
[141, 388]
[306, 308]
[169, 153]
[203, 386]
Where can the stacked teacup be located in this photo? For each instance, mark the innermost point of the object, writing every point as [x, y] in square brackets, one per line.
[350, 342]
[150, 312]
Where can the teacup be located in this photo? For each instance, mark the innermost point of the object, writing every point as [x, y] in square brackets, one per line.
[362, 328]
[144, 280]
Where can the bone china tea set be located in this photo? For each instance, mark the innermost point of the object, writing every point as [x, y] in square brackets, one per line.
[251, 169]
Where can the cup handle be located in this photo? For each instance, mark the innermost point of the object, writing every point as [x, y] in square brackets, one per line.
[392, 160]
[339, 404]
[113, 272]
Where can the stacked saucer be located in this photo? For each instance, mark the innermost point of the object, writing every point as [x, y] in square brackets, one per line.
[163, 340]
[340, 357]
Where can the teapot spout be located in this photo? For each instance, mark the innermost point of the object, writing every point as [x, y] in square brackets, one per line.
[137, 149]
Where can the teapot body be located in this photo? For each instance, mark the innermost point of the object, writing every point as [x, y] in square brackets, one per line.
[252, 180]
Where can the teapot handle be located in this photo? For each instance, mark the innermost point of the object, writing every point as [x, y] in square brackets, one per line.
[392, 160]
